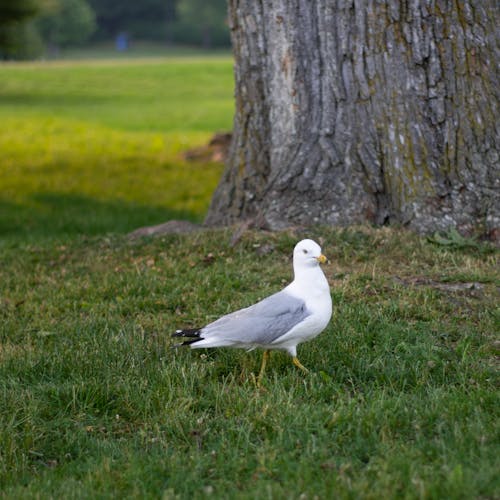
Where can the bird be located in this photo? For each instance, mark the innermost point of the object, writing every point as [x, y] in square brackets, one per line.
[298, 313]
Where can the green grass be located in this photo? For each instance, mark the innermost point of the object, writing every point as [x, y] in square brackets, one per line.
[402, 398]
[400, 403]
[95, 147]
[137, 49]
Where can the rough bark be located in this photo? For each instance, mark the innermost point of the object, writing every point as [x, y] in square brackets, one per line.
[350, 111]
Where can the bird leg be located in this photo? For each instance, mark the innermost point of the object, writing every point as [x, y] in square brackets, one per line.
[265, 356]
[297, 363]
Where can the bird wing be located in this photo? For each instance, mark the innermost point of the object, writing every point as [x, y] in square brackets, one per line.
[260, 324]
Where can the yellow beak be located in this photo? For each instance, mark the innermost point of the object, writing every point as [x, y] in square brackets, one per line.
[321, 259]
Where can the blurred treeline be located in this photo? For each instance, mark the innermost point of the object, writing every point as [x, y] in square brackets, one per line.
[33, 28]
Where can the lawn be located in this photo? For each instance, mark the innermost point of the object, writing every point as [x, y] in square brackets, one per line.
[95, 147]
[402, 396]
[137, 49]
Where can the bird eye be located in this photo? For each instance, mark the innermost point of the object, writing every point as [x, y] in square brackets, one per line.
[305, 251]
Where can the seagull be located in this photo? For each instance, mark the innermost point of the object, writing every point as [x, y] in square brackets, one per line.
[299, 312]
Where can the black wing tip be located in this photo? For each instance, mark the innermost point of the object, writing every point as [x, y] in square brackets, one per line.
[189, 332]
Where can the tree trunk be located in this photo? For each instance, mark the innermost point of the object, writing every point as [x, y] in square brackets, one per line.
[350, 111]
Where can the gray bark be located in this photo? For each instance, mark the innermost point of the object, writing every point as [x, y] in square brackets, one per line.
[350, 111]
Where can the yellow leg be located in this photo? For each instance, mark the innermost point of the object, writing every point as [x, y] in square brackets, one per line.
[265, 356]
[297, 363]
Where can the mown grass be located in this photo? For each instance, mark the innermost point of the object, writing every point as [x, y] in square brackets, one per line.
[400, 403]
[402, 398]
[94, 147]
[137, 49]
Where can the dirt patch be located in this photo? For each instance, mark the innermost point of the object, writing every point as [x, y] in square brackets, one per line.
[215, 151]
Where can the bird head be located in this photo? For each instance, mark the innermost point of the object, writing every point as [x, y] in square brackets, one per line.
[307, 253]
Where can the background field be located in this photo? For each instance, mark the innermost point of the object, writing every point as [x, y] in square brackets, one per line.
[402, 398]
[92, 147]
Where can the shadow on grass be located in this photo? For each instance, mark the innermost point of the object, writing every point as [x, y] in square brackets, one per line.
[57, 214]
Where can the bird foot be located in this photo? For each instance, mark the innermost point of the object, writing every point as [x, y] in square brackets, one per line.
[298, 364]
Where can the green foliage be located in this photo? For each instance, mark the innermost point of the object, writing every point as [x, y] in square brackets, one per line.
[146, 19]
[20, 41]
[201, 23]
[19, 38]
[52, 23]
[193, 22]
[62, 23]
[69, 22]
[19, 10]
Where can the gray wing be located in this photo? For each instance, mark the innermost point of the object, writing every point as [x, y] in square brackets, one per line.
[261, 323]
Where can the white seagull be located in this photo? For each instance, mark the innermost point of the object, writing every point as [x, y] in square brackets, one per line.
[281, 321]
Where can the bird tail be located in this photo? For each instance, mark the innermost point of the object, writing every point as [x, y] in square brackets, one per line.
[192, 333]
